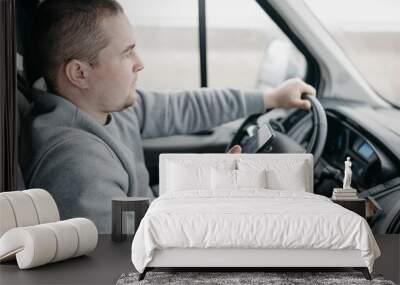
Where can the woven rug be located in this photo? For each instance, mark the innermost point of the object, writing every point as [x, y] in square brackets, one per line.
[229, 278]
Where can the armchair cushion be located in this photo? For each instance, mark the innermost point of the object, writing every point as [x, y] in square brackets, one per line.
[31, 232]
[26, 208]
[40, 244]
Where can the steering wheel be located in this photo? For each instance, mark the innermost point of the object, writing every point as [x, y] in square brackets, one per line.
[279, 141]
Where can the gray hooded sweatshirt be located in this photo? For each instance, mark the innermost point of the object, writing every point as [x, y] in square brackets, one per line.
[84, 164]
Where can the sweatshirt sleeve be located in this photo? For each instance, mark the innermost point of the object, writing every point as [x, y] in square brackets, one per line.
[82, 187]
[166, 113]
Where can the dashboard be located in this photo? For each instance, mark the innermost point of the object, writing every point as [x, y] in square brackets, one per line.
[371, 164]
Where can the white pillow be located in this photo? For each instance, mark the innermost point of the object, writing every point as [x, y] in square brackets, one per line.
[226, 179]
[251, 178]
[281, 180]
[223, 179]
[282, 174]
[183, 177]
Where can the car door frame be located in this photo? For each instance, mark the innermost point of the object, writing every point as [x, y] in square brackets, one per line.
[8, 101]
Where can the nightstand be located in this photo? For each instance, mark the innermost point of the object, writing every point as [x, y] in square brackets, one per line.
[139, 205]
[356, 205]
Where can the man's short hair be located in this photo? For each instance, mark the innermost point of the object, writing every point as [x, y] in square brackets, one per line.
[69, 29]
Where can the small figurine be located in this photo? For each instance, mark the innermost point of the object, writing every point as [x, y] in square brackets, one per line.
[347, 174]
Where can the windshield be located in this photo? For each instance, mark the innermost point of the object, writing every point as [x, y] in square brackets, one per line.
[368, 31]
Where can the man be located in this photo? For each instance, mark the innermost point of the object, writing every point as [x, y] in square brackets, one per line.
[88, 125]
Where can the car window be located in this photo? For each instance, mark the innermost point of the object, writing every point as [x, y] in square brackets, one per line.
[368, 31]
[166, 41]
[245, 48]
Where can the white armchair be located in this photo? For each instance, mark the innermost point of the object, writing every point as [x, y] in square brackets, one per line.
[31, 230]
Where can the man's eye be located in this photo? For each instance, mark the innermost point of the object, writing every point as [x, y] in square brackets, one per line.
[129, 52]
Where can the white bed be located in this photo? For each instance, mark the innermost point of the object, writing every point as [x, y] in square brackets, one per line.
[202, 219]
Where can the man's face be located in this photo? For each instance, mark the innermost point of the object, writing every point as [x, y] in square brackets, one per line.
[113, 79]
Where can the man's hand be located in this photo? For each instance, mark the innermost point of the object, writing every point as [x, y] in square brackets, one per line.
[236, 149]
[288, 95]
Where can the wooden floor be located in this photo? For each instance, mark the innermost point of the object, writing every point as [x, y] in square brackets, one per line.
[106, 264]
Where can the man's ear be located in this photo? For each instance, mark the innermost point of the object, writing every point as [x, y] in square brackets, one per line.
[77, 73]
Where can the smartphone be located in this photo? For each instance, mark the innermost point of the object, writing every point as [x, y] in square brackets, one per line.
[258, 140]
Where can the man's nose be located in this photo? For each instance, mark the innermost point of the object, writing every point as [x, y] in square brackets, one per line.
[138, 65]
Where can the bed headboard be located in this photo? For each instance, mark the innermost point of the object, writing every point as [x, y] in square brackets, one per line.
[288, 164]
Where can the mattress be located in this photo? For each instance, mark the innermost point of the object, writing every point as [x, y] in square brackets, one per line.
[251, 219]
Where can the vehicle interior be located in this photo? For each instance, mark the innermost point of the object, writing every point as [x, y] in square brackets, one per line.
[368, 133]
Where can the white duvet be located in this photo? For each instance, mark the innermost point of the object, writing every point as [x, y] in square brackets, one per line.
[250, 219]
